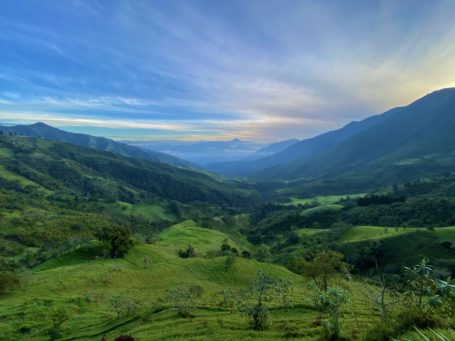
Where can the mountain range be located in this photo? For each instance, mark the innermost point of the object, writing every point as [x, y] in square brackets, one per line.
[42, 130]
[403, 143]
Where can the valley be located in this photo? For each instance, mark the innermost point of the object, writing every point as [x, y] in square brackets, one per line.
[96, 244]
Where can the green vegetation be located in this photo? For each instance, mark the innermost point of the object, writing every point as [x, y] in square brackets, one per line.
[324, 199]
[96, 245]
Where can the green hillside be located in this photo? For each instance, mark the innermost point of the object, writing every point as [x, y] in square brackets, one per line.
[84, 286]
[55, 196]
[65, 210]
[44, 131]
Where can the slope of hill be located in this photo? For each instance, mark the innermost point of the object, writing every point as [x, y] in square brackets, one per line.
[302, 150]
[402, 144]
[86, 289]
[415, 139]
[57, 166]
[272, 149]
[41, 130]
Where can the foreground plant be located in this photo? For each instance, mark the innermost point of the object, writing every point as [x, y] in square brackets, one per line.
[330, 302]
[265, 290]
[183, 298]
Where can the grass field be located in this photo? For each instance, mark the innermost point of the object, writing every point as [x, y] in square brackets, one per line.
[152, 211]
[323, 199]
[84, 285]
[361, 233]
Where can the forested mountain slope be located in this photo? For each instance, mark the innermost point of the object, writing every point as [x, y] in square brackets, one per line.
[41, 130]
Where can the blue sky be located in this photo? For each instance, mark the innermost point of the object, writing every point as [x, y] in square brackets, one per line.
[260, 70]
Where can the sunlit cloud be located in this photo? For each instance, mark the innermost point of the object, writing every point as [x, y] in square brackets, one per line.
[197, 69]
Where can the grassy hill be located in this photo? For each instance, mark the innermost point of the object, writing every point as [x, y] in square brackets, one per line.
[54, 196]
[84, 286]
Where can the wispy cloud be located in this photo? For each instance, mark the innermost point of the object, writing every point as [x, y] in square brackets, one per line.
[255, 69]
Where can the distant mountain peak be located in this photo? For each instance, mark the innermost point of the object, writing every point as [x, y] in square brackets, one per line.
[41, 124]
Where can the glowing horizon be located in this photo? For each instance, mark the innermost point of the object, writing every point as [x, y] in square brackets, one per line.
[212, 70]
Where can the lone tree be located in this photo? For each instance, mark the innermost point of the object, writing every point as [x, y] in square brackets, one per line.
[119, 239]
[379, 292]
[422, 285]
[324, 266]
[188, 253]
[329, 303]
[264, 291]
[184, 298]
[123, 305]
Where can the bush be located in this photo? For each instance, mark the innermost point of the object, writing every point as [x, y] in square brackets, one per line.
[262, 253]
[8, 282]
[119, 239]
[329, 302]
[188, 253]
[260, 317]
[400, 324]
[183, 298]
[246, 254]
[230, 261]
[124, 338]
[123, 305]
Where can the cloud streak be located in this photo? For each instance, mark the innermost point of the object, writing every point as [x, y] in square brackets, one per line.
[260, 70]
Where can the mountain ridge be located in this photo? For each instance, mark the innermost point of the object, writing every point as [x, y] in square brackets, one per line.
[419, 129]
[43, 130]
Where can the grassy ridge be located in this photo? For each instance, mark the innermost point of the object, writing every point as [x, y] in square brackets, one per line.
[84, 286]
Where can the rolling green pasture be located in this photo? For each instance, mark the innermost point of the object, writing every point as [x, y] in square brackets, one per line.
[361, 233]
[323, 199]
[83, 285]
[151, 211]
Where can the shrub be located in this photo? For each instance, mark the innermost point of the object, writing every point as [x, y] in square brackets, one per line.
[230, 261]
[188, 253]
[400, 324]
[123, 305]
[184, 298]
[246, 254]
[264, 290]
[8, 281]
[225, 246]
[329, 302]
[124, 338]
[119, 239]
[262, 253]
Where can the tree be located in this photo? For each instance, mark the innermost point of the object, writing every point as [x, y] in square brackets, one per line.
[379, 297]
[264, 290]
[293, 238]
[123, 304]
[119, 239]
[262, 253]
[230, 261]
[330, 302]
[421, 283]
[58, 316]
[225, 246]
[8, 281]
[188, 253]
[184, 298]
[246, 254]
[324, 266]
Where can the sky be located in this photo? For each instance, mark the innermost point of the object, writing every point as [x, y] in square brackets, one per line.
[261, 70]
